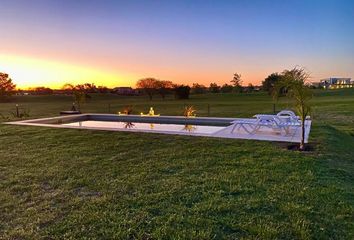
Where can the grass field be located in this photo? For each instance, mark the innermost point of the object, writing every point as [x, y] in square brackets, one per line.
[82, 184]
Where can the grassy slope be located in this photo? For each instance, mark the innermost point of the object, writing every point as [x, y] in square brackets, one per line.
[77, 183]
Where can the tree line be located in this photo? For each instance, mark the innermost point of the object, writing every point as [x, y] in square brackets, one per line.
[150, 86]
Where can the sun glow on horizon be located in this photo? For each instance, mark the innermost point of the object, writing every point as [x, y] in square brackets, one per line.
[29, 72]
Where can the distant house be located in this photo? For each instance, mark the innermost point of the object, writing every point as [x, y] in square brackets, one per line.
[21, 93]
[128, 91]
[336, 82]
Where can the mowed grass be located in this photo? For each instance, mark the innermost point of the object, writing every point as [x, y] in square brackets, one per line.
[82, 184]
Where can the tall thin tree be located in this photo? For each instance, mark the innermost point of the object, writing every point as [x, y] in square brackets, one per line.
[237, 82]
[78, 92]
[293, 82]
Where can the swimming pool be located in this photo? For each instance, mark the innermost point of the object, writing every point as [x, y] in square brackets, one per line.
[136, 126]
[177, 125]
[198, 126]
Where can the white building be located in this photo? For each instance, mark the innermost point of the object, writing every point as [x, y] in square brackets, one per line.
[336, 82]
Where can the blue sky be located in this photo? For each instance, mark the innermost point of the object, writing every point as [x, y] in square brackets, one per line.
[183, 41]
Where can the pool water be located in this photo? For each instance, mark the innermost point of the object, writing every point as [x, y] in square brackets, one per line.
[199, 129]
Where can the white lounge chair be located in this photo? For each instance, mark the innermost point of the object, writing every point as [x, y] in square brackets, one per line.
[284, 116]
[282, 123]
[288, 115]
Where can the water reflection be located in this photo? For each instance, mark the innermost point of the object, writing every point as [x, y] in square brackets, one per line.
[128, 125]
[189, 128]
[136, 126]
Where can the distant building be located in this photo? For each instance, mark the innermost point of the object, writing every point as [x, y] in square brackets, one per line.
[21, 93]
[125, 91]
[335, 82]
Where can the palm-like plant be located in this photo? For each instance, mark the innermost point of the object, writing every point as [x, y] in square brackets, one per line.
[79, 94]
[189, 111]
[293, 82]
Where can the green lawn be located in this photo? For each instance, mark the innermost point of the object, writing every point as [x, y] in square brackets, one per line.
[82, 184]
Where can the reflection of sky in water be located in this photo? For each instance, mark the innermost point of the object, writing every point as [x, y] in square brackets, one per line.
[147, 126]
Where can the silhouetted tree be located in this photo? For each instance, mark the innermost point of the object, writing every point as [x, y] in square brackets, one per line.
[237, 82]
[249, 88]
[7, 87]
[163, 87]
[87, 87]
[198, 88]
[269, 83]
[226, 88]
[103, 89]
[214, 88]
[78, 92]
[42, 91]
[149, 85]
[182, 92]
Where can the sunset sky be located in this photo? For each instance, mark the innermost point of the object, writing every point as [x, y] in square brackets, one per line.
[114, 43]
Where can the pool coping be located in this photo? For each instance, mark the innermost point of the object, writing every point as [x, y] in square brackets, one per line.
[55, 122]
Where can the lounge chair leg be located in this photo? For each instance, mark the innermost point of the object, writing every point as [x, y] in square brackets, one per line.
[255, 129]
[233, 129]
